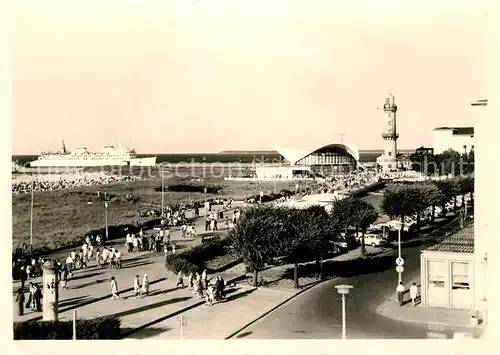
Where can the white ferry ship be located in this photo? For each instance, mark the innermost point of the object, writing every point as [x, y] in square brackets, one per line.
[81, 157]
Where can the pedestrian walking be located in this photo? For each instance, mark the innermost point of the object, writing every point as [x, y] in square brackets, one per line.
[69, 264]
[37, 296]
[209, 297]
[29, 269]
[64, 279]
[31, 300]
[135, 243]
[145, 284]
[137, 287]
[118, 259]
[20, 301]
[114, 289]
[413, 293]
[111, 258]
[400, 290]
[190, 281]
[98, 258]
[90, 252]
[204, 279]
[217, 287]
[180, 280]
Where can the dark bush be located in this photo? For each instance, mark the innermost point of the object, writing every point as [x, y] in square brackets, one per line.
[211, 189]
[97, 328]
[176, 263]
[194, 259]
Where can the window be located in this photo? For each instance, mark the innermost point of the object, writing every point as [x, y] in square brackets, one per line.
[465, 147]
[389, 166]
[390, 153]
[472, 147]
[436, 271]
[460, 276]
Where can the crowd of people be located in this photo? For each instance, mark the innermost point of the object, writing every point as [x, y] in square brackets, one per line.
[48, 182]
[204, 288]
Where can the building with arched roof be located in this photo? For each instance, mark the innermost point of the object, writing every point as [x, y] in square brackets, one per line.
[331, 158]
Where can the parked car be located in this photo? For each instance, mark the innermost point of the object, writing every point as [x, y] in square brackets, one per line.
[374, 240]
[339, 247]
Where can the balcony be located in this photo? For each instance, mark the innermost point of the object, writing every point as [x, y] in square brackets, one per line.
[392, 136]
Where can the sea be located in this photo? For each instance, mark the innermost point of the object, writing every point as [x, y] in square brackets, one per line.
[365, 156]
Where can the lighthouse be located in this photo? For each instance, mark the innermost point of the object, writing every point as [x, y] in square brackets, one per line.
[390, 136]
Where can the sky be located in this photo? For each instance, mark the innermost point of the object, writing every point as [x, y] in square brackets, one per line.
[196, 76]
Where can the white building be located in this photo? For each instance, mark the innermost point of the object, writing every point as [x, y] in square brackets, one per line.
[448, 271]
[460, 139]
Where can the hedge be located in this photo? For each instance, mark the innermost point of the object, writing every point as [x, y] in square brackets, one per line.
[98, 328]
[194, 259]
[271, 196]
[211, 189]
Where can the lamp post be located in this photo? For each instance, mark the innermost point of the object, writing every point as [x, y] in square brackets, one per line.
[31, 213]
[162, 188]
[343, 290]
[106, 218]
[399, 227]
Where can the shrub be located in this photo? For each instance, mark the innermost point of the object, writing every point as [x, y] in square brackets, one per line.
[194, 259]
[211, 189]
[97, 328]
[176, 263]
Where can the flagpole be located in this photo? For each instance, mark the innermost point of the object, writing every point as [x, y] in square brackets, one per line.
[31, 214]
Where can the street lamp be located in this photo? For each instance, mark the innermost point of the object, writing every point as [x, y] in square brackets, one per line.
[31, 214]
[106, 218]
[162, 188]
[343, 290]
[399, 227]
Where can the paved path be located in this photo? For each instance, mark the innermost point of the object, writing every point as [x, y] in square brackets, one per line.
[94, 283]
[241, 307]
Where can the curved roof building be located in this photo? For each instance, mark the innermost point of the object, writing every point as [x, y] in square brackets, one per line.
[331, 154]
[335, 156]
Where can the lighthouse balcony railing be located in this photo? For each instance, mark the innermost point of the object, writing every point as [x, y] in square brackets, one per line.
[390, 135]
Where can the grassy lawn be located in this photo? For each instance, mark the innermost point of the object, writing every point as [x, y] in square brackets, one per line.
[61, 216]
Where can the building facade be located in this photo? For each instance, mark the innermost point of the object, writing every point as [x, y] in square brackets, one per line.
[460, 139]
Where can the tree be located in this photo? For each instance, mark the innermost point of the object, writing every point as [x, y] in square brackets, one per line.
[364, 215]
[401, 201]
[448, 162]
[432, 197]
[253, 237]
[448, 191]
[343, 212]
[466, 185]
[304, 232]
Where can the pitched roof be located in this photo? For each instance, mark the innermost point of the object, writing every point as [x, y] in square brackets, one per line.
[458, 131]
[460, 242]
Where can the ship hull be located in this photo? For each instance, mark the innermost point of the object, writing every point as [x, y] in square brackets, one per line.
[76, 163]
[64, 163]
